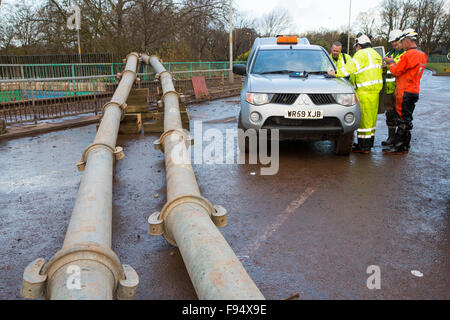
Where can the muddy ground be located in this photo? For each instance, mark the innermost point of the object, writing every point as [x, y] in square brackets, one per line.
[313, 228]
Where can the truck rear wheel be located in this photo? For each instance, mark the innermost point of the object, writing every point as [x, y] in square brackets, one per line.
[343, 144]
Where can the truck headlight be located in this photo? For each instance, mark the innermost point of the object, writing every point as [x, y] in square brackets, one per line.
[345, 99]
[259, 98]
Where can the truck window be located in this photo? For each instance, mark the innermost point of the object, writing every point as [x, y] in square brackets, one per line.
[292, 60]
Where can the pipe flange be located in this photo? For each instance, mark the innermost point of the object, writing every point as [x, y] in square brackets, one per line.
[85, 251]
[186, 136]
[116, 104]
[38, 273]
[129, 71]
[117, 152]
[132, 54]
[126, 279]
[163, 72]
[170, 92]
[169, 206]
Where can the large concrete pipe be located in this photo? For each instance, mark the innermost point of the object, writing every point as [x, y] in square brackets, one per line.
[86, 267]
[188, 220]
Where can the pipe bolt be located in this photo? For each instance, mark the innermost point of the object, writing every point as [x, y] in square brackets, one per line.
[157, 144]
[81, 165]
[119, 154]
[219, 217]
[156, 224]
[33, 283]
[128, 286]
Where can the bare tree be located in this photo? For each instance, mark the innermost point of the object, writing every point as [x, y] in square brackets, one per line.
[275, 22]
[25, 24]
[368, 22]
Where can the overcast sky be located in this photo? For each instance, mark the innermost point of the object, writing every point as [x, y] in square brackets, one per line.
[310, 14]
[307, 15]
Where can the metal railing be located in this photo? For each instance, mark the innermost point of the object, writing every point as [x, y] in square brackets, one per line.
[107, 57]
[34, 71]
[33, 100]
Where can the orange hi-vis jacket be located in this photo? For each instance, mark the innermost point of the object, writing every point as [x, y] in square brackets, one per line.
[408, 71]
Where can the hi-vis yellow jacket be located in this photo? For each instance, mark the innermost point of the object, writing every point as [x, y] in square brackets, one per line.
[390, 79]
[366, 66]
[342, 60]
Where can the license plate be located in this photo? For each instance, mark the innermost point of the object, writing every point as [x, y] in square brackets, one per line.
[303, 114]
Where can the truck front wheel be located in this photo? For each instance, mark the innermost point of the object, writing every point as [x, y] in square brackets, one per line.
[343, 144]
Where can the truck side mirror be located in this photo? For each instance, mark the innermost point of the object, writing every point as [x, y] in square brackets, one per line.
[239, 69]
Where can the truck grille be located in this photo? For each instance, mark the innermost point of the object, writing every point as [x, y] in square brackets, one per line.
[316, 98]
[284, 98]
[321, 98]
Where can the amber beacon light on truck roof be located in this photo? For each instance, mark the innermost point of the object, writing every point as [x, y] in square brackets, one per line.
[287, 40]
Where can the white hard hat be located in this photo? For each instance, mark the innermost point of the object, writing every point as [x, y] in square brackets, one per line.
[395, 35]
[409, 33]
[361, 39]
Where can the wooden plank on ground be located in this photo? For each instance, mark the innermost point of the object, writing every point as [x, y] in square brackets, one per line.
[29, 130]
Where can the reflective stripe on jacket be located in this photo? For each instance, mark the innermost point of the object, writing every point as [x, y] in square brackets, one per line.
[367, 67]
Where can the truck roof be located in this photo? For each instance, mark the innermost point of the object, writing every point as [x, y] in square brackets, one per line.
[271, 43]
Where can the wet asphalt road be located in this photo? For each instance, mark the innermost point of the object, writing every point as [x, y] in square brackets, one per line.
[313, 228]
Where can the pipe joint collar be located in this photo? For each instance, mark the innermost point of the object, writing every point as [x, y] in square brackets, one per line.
[38, 273]
[160, 75]
[115, 104]
[133, 54]
[117, 152]
[169, 93]
[182, 133]
[128, 71]
[158, 220]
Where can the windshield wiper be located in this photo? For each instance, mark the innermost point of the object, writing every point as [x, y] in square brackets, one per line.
[318, 72]
[277, 71]
[325, 73]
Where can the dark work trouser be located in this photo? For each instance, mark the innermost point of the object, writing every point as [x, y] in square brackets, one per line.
[405, 112]
[391, 114]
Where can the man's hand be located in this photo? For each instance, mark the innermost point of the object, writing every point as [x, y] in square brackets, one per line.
[331, 72]
[388, 60]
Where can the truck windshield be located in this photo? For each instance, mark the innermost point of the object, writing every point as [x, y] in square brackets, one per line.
[291, 60]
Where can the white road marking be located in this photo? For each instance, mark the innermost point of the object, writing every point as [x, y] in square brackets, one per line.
[281, 218]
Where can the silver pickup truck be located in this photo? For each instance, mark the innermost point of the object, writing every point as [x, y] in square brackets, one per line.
[286, 86]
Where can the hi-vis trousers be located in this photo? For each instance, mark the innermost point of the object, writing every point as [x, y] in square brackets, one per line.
[368, 102]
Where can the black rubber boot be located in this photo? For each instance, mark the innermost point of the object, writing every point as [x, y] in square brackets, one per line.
[401, 141]
[390, 139]
[363, 146]
[372, 141]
